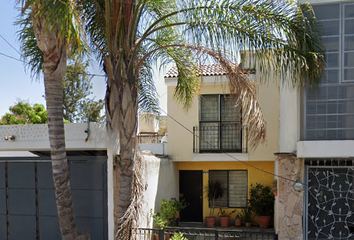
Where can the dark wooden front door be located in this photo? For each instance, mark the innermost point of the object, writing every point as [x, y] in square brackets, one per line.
[191, 186]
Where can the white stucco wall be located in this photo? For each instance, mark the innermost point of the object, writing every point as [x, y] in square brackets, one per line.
[35, 137]
[326, 149]
[289, 118]
[155, 148]
[161, 178]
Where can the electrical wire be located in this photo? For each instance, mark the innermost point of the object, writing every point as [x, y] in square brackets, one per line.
[20, 60]
[10, 45]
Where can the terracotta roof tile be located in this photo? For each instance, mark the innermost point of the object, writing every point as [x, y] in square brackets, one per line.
[203, 70]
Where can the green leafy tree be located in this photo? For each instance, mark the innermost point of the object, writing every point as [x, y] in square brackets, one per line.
[50, 30]
[77, 86]
[129, 36]
[24, 113]
[91, 110]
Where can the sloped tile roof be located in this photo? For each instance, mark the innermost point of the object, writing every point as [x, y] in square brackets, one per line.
[203, 70]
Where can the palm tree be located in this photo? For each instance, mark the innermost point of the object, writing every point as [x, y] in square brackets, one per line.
[129, 35]
[48, 33]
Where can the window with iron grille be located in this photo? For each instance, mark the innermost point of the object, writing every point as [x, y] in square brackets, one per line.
[234, 185]
[220, 125]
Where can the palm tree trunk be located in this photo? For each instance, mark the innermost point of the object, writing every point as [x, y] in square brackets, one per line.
[54, 66]
[121, 107]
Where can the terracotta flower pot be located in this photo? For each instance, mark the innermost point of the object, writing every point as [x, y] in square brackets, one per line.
[248, 224]
[210, 221]
[167, 237]
[238, 222]
[224, 221]
[264, 221]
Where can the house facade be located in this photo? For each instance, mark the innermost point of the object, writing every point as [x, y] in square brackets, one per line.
[315, 197]
[209, 142]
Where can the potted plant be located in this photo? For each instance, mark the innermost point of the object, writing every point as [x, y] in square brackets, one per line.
[262, 203]
[160, 222]
[167, 216]
[214, 191]
[224, 217]
[246, 216]
[238, 221]
[178, 205]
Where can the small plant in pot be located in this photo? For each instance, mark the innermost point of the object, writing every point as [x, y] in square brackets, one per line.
[214, 192]
[246, 216]
[224, 217]
[238, 221]
[262, 203]
[178, 205]
[160, 222]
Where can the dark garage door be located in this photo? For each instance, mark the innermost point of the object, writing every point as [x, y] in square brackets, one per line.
[27, 199]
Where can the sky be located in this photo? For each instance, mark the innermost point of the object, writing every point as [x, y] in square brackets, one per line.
[16, 81]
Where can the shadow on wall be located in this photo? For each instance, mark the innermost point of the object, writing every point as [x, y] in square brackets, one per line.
[161, 179]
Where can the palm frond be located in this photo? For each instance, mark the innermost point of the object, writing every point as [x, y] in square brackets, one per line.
[65, 14]
[148, 96]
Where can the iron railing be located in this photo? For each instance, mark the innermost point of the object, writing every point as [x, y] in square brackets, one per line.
[216, 137]
[203, 234]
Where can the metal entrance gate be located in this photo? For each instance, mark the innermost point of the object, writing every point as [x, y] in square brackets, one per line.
[27, 199]
[330, 202]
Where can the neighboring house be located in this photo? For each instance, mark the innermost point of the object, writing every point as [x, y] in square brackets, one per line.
[27, 199]
[209, 141]
[316, 139]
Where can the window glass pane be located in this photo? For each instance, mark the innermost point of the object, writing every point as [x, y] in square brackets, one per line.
[328, 11]
[209, 136]
[349, 26]
[348, 43]
[321, 108]
[310, 135]
[349, 10]
[321, 122]
[332, 108]
[332, 134]
[231, 136]
[332, 76]
[347, 107]
[229, 112]
[222, 177]
[328, 28]
[332, 60]
[332, 121]
[346, 91]
[331, 44]
[238, 188]
[322, 93]
[349, 59]
[311, 108]
[320, 134]
[349, 74]
[209, 108]
[346, 121]
[332, 92]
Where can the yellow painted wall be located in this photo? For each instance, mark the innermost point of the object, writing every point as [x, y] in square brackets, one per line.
[254, 175]
[180, 141]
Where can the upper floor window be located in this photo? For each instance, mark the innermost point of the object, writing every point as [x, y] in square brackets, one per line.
[220, 125]
[329, 108]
